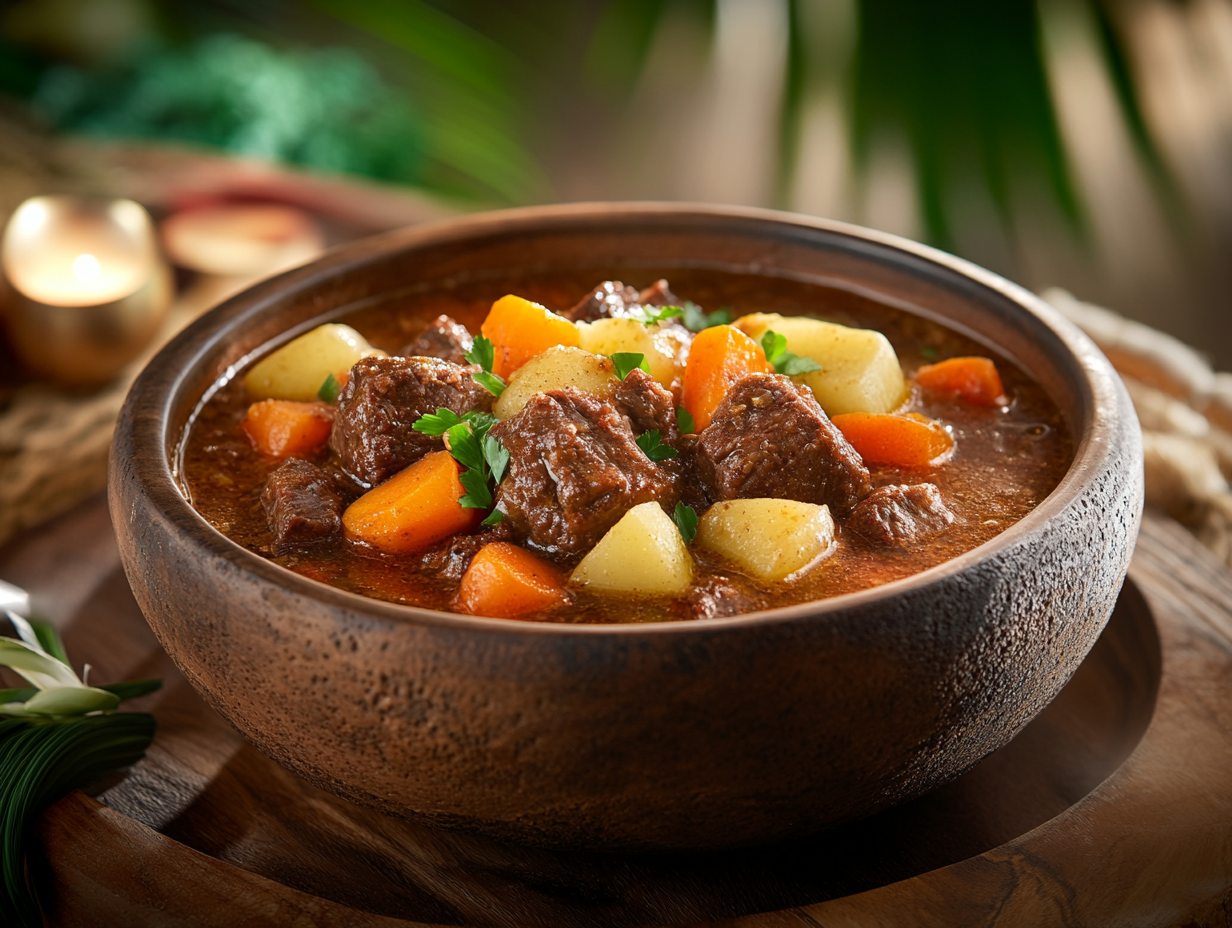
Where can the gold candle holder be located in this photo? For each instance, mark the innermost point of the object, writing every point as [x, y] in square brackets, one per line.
[86, 286]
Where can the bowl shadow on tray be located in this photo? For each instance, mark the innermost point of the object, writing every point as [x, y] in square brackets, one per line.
[397, 868]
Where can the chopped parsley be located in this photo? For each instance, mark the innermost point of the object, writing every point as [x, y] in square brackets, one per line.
[686, 520]
[653, 315]
[330, 389]
[483, 353]
[483, 456]
[684, 421]
[775, 346]
[653, 448]
[696, 319]
[626, 361]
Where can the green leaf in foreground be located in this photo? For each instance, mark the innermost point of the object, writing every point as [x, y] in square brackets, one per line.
[653, 448]
[775, 347]
[628, 361]
[483, 353]
[695, 319]
[684, 421]
[686, 520]
[330, 389]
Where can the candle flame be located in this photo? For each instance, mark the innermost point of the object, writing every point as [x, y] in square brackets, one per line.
[86, 267]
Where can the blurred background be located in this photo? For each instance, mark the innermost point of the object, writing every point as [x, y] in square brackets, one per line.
[1069, 143]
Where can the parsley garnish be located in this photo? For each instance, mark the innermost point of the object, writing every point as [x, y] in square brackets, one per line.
[483, 353]
[696, 319]
[775, 346]
[684, 421]
[330, 389]
[653, 448]
[483, 456]
[626, 361]
[653, 315]
[686, 520]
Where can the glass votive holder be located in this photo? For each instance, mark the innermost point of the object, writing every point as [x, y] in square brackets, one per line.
[86, 287]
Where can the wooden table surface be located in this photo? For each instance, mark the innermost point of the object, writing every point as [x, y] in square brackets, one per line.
[1113, 808]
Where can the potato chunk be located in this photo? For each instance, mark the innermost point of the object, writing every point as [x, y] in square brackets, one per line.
[553, 369]
[664, 346]
[297, 369]
[772, 539]
[859, 369]
[642, 553]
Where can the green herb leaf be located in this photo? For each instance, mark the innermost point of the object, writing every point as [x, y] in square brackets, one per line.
[132, 689]
[775, 347]
[495, 517]
[71, 700]
[653, 448]
[480, 422]
[437, 424]
[490, 382]
[627, 361]
[477, 495]
[36, 667]
[686, 520]
[465, 447]
[497, 458]
[482, 352]
[653, 315]
[329, 390]
[695, 319]
[684, 421]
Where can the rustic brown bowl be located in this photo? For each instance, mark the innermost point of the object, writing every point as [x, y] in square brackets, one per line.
[677, 735]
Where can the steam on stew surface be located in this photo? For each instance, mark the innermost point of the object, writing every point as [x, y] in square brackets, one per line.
[630, 457]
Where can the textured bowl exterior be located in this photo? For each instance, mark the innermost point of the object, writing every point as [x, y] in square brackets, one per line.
[678, 735]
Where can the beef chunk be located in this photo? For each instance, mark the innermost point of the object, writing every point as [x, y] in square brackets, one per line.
[717, 597]
[574, 470]
[610, 300]
[769, 438]
[658, 294]
[647, 405]
[444, 338]
[302, 504]
[899, 515]
[381, 401]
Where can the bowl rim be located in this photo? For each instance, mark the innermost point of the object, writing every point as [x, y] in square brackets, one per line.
[1101, 397]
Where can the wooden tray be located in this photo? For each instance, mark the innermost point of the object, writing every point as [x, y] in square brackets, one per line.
[1113, 807]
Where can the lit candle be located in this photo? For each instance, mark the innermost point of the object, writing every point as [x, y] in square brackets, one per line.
[88, 287]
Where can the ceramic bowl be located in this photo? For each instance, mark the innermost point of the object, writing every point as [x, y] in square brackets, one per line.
[677, 735]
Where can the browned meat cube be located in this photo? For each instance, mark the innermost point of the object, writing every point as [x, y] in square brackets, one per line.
[444, 338]
[899, 515]
[382, 400]
[302, 504]
[610, 300]
[658, 294]
[717, 597]
[770, 439]
[574, 470]
[647, 405]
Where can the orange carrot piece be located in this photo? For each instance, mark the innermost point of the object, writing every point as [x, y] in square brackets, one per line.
[505, 582]
[719, 357]
[900, 441]
[520, 329]
[285, 428]
[413, 509]
[974, 380]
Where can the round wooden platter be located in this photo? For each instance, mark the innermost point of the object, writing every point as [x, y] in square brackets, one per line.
[1114, 807]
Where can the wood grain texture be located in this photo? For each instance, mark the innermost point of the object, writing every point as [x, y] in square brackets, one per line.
[1057, 828]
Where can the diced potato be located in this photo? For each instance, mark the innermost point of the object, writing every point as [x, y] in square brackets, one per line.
[772, 539]
[555, 368]
[859, 369]
[665, 346]
[297, 369]
[642, 553]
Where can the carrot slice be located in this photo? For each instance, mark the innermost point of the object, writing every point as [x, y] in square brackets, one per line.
[900, 441]
[719, 357]
[974, 380]
[286, 428]
[413, 509]
[520, 329]
[505, 582]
